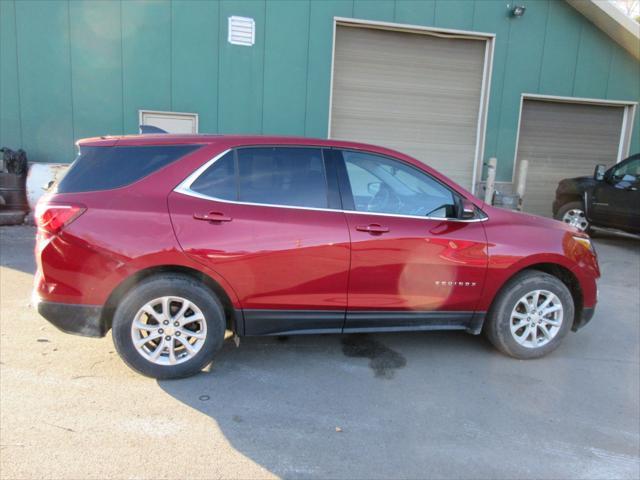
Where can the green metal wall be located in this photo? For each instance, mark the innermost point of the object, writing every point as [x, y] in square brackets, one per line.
[72, 69]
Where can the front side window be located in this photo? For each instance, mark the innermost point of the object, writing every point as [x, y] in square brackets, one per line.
[287, 176]
[628, 172]
[383, 185]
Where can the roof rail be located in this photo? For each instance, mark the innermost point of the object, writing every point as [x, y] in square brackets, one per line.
[151, 129]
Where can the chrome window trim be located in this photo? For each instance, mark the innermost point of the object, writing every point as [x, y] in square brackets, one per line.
[185, 188]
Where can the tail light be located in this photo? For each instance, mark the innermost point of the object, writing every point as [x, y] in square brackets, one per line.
[51, 218]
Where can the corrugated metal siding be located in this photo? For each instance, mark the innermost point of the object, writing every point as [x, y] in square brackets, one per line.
[82, 68]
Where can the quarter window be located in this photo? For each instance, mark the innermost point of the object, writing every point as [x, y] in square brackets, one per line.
[219, 180]
[382, 185]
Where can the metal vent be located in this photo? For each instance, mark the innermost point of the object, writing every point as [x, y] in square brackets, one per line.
[242, 31]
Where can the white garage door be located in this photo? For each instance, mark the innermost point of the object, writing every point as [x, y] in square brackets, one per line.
[564, 140]
[415, 92]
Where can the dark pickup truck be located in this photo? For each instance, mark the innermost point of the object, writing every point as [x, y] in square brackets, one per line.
[610, 198]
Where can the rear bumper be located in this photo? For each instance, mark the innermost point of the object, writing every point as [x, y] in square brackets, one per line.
[585, 317]
[85, 320]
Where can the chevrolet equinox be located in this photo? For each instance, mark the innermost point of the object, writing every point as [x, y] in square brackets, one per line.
[170, 240]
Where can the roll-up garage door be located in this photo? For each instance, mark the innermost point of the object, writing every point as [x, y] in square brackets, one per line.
[414, 92]
[564, 140]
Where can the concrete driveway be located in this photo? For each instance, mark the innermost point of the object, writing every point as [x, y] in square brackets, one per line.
[439, 405]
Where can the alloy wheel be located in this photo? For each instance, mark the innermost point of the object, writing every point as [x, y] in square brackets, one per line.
[536, 318]
[168, 330]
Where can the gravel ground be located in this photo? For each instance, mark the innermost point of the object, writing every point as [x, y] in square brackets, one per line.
[438, 405]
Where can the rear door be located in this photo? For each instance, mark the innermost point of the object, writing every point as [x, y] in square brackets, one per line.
[264, 219]
[413, 264]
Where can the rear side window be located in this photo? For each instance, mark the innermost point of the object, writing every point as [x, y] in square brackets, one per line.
[288, 176]
[282, 176]
[104, 168]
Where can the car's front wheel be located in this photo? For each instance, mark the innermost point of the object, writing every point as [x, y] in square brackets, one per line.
[168, 326]
[574, 214]
[531, 315]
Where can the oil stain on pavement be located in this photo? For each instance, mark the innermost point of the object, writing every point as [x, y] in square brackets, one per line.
[382, 360]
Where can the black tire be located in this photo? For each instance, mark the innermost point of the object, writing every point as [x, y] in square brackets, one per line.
[498, 327]
[160, 286]
[576, 205]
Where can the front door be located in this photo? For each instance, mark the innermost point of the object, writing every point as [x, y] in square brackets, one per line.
[261, 219]
[413, 265]
[615, 200]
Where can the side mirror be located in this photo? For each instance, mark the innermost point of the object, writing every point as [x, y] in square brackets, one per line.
[468, 209]
[598, 173]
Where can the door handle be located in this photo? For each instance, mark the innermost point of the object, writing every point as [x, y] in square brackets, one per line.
[373, 228]
[212, 217]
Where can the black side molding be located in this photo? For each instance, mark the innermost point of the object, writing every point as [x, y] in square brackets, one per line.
[300, 322]
[399, 321]
[292, 322]
[84, 320]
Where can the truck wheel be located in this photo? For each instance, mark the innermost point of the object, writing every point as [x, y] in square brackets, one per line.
[530, 316]
[168, 326]
[573, 213]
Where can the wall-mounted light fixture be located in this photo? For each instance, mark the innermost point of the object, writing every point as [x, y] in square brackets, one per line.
[517, 10]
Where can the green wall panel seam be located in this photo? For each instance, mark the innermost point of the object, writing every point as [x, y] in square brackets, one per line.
[606, 90]
[504, 77]
[220, 40]
[15, 32]
[473, 13]
[575, 65]
[121, 62]
[171, 55]
[264, 58]
[544, 44]
[73, 123]
[306, 83]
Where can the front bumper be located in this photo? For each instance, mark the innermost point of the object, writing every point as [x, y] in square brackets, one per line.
[584, 318]
[85, 320]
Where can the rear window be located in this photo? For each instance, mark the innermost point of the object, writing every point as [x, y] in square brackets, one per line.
[104, 168]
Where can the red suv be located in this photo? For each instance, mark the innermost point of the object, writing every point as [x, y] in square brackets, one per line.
[170, 240]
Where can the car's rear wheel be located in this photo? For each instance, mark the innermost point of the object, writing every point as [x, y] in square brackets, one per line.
[168, 326]
[574, 214]
[530, 315]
